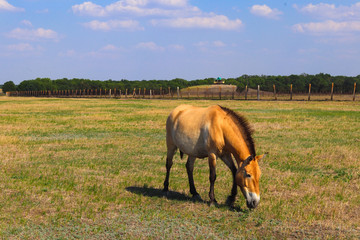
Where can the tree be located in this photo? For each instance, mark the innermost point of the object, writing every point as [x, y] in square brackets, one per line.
[9, 87]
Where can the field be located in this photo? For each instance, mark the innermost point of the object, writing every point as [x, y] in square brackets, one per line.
[94, 169]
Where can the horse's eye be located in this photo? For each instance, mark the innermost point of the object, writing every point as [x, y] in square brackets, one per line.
[247, 175]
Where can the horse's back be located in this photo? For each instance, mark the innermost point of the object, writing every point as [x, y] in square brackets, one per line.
[190, 115]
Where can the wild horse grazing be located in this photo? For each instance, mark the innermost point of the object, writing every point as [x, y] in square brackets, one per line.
[214, 132]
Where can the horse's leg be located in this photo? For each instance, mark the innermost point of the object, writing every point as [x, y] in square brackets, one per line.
[190, 168]
[212, 166]
[230, 163]
[169, 162]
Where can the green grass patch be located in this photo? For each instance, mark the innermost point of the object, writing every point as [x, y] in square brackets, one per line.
[94, 168]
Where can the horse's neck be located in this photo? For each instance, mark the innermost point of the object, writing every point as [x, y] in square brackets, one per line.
[236, 142]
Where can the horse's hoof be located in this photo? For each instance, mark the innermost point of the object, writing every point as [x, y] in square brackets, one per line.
[213, 203]
[230, 201]
[166, 193]
[196, 198]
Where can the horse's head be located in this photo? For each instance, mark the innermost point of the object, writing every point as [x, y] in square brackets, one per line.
[247, 178]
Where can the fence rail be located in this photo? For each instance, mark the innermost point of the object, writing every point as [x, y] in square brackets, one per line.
[213, 92]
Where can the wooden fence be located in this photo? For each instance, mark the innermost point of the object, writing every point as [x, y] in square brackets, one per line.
[212, 92]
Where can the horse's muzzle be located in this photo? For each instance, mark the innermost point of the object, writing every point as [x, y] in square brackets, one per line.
[252, 200]
[252, 204]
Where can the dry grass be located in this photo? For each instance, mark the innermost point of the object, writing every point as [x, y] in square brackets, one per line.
[94, 168]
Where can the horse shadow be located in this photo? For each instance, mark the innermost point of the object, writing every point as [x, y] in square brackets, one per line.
[173, 195]
[154, 192]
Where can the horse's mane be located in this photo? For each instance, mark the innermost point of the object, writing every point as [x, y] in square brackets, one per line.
[244, 127]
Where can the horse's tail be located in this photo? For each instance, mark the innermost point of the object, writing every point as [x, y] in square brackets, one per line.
[181, 154]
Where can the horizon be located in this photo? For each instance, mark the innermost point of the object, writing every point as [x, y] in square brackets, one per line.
[164, 40]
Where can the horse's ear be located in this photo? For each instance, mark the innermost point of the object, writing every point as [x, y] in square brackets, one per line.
[260, 157]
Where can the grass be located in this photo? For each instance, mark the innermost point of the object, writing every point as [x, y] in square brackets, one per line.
[94, 168]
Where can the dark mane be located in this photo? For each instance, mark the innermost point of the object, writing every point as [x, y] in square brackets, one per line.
[244, 127]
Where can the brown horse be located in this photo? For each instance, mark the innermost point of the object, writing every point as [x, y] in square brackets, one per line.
[214, 132]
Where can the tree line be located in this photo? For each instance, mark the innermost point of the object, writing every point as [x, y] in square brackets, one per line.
[320, 83]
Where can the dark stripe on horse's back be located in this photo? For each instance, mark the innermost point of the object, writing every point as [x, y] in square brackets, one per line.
[244, 127]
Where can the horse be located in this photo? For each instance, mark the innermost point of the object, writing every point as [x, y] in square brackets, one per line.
[214, 132]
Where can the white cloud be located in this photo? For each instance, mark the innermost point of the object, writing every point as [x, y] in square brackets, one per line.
[210, 44]
[26, 23]
[24, 48]
[137, 7]
[113, 25]
[219, 44]
[89, 8]
[212, 22]
[265, 11]
[330, 11]
[110, 48]
[175, 13]
[206, 46]
[339, 20]
[21, 47]
[5, 6]
[34, 34]
[177, 47]
[173, 3]
[328, 26]
[149, 46]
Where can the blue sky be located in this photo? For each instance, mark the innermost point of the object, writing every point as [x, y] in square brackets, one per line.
[166, 39]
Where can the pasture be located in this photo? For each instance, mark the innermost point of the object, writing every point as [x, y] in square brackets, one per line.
[94, 169]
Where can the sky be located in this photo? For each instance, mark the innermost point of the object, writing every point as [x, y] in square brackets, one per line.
[167, 39]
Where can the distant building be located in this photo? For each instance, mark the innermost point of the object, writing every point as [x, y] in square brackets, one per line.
[219, 81]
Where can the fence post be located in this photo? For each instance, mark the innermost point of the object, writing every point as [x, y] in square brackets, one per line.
[246, 91]
[309, 91]
[177, 91]
[188, 92]
[258, 93]
[233, 93]
[220, 92]
[354, 91]
[290, 92]
[274, 92]
[332, 91]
